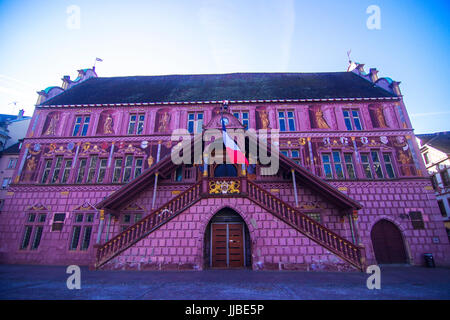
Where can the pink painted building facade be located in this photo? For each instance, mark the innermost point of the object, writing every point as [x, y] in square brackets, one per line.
[96, 185]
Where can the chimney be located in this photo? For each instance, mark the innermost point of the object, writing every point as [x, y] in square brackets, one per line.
[66, 82]
[42, 96]
[360, 67]
[81, 73]
[396, 87]
[373, 72]
[20, 115]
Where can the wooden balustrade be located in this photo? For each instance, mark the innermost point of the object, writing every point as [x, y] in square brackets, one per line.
[140, 229]
[308, 226]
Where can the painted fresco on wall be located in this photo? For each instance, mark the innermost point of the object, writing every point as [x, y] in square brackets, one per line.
[317, 118]
[106, 123]
[262, 118]
[377, 115]
[162, 121]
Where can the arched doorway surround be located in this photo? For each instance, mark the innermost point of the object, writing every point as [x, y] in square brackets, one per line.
[227, 241]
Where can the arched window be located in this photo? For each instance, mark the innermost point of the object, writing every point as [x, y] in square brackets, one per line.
[225, 170]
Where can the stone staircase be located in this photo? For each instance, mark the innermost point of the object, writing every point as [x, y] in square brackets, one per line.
[296, 219]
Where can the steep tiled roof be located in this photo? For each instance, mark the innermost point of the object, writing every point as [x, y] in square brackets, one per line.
[10, 117]
[216, 87]
[14, 149]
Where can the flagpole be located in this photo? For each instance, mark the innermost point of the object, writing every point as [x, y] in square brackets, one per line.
[221, 122]
[96, 59]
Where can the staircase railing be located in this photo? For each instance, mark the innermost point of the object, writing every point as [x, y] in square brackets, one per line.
[290, 215]
[306, 225]
[142, 228]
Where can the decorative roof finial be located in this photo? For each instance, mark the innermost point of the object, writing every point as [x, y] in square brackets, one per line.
[351, 64]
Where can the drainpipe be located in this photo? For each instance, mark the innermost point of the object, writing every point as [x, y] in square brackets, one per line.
[100, 227]
[311, 156]
[351, 228]
[156, 175]
[295, 187]
[76, 156]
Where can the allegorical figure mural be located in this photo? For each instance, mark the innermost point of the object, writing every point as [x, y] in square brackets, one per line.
[164, 121]
[264, 119]
[108, 125]
[52, 125]
[321, 122]
[380, 117]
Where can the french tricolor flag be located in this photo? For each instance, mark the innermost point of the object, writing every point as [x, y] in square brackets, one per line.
[234, 153]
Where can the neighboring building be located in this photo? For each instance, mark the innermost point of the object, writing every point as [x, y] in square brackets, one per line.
[12, 128]
[435, 149]
[96, 184]
[12, 131]
[8, 163]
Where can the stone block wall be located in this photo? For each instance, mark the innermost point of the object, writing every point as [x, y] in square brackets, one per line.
[179, 243]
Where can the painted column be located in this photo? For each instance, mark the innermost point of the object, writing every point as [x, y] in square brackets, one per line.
[366, 119]
[252, 116]
[121, 122]
[353, 221]
[151, 121]
[109, 169]
[304, 114]
[205, 165]
[67, 130]
[420, 166]
[401, 115]
[72, 173]
[111, 152]
[339, 119]
[95, 117]
[76, 155]
[358, 168]
[295, 187]
[350, 222]
[205, 173]
[33, 128]
[311, 156]
[272, 118]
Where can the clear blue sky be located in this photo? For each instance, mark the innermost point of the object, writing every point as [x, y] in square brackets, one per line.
[200, 36]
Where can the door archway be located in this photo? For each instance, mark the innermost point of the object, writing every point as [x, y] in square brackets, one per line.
[227, 241]
[387, 242]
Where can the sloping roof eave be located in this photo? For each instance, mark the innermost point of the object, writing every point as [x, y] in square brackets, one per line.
[137, 185]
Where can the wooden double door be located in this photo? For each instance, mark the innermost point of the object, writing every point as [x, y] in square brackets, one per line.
[227, 245]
